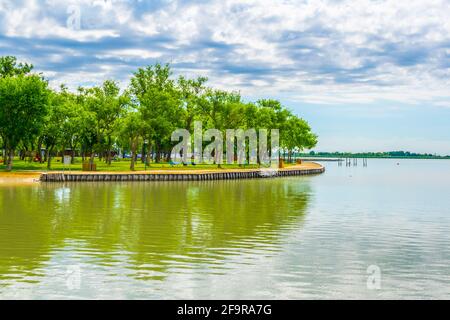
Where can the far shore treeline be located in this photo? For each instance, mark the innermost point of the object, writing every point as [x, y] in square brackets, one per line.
[382, 155]
[104, 120]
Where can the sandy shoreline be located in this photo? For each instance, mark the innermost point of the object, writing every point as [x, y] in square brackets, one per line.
[16, 178]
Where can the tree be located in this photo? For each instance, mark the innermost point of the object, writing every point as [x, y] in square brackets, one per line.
[158, 101]
[108, 105]
[89, 129]
[75, 114]
[298, 136]
[10, 68]
[98, 119]
[192, 93]
[23, 107]
[62, 124]
[131, 130]
[104, 106]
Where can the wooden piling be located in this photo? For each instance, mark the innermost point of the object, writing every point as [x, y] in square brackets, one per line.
[200, 176]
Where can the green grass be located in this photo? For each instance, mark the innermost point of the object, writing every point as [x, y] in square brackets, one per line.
[121, 165]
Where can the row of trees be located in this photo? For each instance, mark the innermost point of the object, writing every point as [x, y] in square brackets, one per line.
[103, 120]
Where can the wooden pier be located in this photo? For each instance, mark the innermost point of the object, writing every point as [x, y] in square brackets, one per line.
[352, 162]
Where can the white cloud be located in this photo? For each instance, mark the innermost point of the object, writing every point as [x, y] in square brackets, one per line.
[315, 51]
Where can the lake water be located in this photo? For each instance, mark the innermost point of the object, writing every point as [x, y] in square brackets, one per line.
[377, 232]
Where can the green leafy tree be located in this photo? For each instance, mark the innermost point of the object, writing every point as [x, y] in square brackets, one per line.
[159, 102]
[298, 136]
[72, 128]
[192, 93]
[9, 67]
[89, 130]
[62, 124]
[23, 107]
[131, 133]
[104, 106]
[99, 119]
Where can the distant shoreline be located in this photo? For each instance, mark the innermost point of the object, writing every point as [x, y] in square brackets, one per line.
[337, 158]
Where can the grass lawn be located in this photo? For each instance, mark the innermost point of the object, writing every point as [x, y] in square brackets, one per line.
[121, 165]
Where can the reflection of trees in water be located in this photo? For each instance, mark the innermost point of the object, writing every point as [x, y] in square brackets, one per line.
[26, 235]
[158, 225]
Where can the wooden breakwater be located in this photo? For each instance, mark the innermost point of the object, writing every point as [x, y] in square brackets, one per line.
[192, 176]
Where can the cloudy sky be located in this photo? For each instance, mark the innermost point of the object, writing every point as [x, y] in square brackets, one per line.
[367, 75]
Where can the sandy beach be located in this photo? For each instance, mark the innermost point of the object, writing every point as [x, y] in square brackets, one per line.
[15, 178]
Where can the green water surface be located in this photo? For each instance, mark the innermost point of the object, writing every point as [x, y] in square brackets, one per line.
[297, 237]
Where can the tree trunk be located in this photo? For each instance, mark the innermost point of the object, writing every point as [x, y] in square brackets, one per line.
[149, 154]
[158, 153]
[132, 162]
[91, 159]
[108, 156]
[49, 159]
[47, 154]
[10, 159]
[31, 156]
[133, 154]
[143, 153]
[39, 155]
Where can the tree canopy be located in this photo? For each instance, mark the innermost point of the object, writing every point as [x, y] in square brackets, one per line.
[23, 109]
[105, 121]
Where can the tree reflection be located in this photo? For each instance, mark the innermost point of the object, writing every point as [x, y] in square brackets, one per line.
[155, 226]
